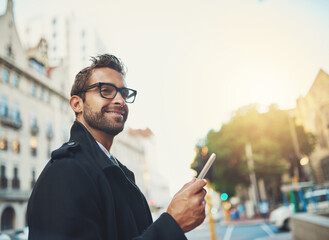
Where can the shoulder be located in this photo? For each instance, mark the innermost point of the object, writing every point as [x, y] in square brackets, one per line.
[64, 163]
[67, 150]
[72, 159]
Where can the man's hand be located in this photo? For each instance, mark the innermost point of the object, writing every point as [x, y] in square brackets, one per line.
[188, 205]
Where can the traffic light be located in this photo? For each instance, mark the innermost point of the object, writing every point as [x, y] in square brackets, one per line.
[224, 196]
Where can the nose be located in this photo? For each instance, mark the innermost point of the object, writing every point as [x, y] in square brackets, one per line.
[118, 99]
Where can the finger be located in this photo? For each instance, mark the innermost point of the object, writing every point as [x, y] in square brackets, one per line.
[201, 195]
[203, 192]
[197, 186]
[186, 185]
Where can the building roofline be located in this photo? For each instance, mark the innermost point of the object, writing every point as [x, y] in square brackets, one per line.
[32, 76]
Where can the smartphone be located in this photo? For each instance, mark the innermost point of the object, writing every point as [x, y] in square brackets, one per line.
[207, 166]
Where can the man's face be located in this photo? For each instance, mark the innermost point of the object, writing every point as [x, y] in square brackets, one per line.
[100, 114]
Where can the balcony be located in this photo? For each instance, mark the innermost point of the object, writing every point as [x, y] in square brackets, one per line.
[11, 119]
[14, 194]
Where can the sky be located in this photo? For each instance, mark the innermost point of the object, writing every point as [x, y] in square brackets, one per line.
[195, 62]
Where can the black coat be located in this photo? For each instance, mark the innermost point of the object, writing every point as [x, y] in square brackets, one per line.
[82, 195]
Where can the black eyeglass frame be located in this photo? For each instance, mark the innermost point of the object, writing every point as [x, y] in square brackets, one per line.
[100, 84]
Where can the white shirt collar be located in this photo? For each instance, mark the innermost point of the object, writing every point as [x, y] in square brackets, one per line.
[107, 153]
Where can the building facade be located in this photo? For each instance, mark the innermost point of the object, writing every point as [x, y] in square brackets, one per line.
[34, 119]
[72, 39]
[312, 111]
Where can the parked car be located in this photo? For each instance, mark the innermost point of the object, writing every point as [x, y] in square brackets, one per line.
[280, 217]
[4, 236]
[22, 234]
[317, 200]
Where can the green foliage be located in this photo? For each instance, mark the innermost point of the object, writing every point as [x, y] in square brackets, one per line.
[271, 141]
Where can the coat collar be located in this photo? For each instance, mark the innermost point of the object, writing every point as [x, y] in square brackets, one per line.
[80, 134]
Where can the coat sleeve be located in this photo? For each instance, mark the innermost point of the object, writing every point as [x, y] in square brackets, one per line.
[64, 205]
[164, 228]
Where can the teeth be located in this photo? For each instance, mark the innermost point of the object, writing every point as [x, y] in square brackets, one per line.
[117, 113]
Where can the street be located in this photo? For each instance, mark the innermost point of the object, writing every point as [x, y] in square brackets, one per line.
[255, 229]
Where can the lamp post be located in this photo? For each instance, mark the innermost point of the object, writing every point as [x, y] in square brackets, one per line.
[303, 159]
[252, 174]
[295, 145]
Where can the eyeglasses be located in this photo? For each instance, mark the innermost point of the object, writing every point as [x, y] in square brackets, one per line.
[109, 91]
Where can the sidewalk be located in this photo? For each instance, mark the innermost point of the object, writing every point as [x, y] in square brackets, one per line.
[283, 236]
[246, 221]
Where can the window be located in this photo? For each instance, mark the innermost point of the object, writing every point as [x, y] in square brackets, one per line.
[34, 124]
[15, 81]
[2, 171]
[33, 178]
[15, 172]
[47, 97]
[15, 146]
[3, 143]
[4, 107]
[37, 66]
[9, 51]
[3, 178]
[32, 90]
[15, 182]
[49, 130]
[40, 93]
[33, 146]
[15, 113]
[5, 75]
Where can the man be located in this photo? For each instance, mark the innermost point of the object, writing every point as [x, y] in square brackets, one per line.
[84, 192]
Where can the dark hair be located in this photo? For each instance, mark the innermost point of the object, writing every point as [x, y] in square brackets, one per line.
[101, 61]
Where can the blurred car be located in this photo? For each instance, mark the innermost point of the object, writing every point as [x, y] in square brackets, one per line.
[21, 234]
[280, 217]
[4, 236]
[317, 200]
[217, 214]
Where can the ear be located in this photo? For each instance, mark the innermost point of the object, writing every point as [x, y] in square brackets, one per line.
[76, 104]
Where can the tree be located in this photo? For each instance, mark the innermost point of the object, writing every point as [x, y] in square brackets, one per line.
[272, 146]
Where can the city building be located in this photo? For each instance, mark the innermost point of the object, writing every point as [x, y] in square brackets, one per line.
[312, 111]
[34, 118]
[71, 38]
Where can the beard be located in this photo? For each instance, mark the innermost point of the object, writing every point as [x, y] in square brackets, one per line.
[99, 121]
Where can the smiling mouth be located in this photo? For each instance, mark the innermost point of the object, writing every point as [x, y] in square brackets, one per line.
[118, 114]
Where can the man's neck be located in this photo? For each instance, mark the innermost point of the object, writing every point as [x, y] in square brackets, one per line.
[105, 139]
